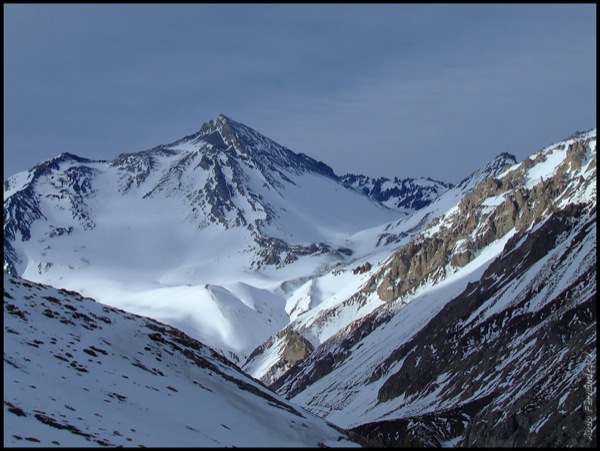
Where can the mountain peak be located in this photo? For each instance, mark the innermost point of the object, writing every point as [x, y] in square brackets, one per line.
[221, 118]
[506, 157]
[494, 167]
[215, 124]
[226, 133]
[67, 156]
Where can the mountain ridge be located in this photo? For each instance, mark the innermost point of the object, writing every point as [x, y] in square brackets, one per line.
[444, 372]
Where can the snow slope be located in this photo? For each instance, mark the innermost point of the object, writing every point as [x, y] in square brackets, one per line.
[78, 373]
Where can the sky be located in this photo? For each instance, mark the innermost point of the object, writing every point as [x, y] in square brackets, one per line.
[385, 90]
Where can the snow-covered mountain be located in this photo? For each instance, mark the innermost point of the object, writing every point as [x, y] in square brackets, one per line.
[488, 332]
[78, 373]
[193, 233]
[412, 311]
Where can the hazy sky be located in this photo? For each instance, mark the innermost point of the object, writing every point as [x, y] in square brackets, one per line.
[382, 90]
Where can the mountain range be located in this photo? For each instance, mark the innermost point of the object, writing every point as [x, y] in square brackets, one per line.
[404, 312]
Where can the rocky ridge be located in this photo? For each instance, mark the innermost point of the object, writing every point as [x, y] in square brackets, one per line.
[402, 194]
[492, 209]
[504, 362]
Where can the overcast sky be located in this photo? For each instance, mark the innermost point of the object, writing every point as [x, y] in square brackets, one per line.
[383, 90]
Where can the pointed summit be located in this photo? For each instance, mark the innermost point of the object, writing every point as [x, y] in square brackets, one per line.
[227, 128]
[223, 133]
[221, 121]
[226, 134]
[221, 118]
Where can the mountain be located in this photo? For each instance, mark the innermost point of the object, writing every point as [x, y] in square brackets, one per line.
[78, 373]
[411, 312]
[194, 233]
[487, 335]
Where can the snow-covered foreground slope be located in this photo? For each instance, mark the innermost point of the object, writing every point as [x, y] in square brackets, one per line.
[488, 336]
[79, 373]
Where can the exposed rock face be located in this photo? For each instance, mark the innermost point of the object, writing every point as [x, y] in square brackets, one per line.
[362, 268]
[297, 348]
[294, 348]
[492, 209]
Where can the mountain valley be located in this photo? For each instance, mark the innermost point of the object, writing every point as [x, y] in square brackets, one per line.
[321, 310]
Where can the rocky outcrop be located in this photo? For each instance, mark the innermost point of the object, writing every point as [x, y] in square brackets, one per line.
[277, 252]
[487, 213]
[293, 347]
[134, 169]
[361, 269]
